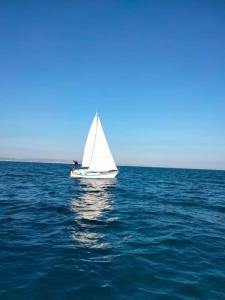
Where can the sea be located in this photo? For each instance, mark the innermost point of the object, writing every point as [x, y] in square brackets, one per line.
[150, 233]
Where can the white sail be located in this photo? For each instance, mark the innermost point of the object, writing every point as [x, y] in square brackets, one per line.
[88, 149]
[97, 155]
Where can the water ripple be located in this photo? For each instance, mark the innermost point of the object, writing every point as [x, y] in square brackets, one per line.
[149, 234]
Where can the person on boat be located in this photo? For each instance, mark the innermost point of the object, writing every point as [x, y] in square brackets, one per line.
[75, 164]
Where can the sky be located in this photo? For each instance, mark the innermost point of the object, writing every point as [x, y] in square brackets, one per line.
[154, 71]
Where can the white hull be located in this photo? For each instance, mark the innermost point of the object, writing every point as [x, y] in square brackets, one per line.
[81, 173]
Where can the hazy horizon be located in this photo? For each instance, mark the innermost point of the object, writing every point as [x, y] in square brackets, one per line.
[64, 161]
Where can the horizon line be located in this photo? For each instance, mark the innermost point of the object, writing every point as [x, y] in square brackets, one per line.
[66, 162]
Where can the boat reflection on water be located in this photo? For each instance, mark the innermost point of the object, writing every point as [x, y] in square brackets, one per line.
[90, 207]
[94, 198]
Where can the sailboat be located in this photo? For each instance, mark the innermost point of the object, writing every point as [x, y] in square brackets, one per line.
[97, 158]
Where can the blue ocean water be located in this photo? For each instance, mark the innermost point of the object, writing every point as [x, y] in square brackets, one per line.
[151, 233]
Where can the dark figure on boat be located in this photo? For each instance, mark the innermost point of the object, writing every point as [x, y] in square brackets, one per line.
[76, 165]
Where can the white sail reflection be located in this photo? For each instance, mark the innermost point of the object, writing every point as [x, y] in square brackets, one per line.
[91, 205]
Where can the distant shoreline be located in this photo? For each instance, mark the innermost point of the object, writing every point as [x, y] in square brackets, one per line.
[134, 166]
[36, 161]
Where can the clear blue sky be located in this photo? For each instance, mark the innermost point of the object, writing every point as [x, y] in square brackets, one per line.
[155, 70]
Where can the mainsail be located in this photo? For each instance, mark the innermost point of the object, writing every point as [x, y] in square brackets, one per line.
[88, 149]
[97, 155]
